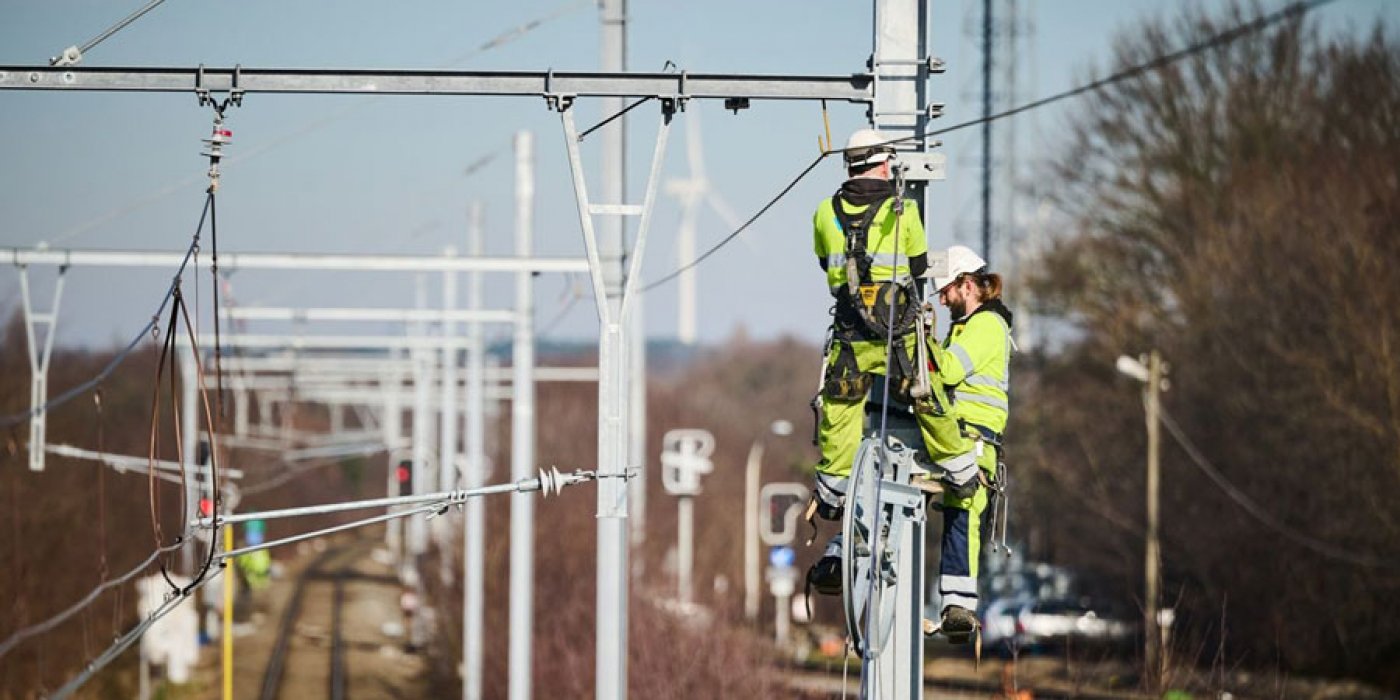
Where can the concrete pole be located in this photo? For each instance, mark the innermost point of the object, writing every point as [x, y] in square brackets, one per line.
[610, 669]
[189, 439]
[391, 428]
[522, 453]
[637, 431]
[265, 424]
[782, 620]
[1152, 637]
[685, 549]
[751, 515]
[474, 524]
[422, 382]
[240, 412]
[450, 413]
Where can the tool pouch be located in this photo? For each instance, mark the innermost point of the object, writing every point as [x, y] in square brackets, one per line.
[844, 380]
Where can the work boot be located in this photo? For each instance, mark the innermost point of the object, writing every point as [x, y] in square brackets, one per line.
[958, 625]
[825, 575]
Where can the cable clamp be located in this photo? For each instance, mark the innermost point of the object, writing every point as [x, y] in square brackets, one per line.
[70, 56]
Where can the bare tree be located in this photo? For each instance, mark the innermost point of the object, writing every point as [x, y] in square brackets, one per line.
[1240, 211]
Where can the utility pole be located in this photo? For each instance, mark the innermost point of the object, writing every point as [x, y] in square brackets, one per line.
[522, 431]
[474, 520]
[902, 62]
[610, 662]
[450, 412]
[1153, 375]
[987, 130]
[1152, 565]
[422, 406]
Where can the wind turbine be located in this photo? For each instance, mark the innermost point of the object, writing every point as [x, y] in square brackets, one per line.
[692, 192]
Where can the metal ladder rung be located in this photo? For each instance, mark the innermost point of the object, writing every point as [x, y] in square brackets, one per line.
[616, 209]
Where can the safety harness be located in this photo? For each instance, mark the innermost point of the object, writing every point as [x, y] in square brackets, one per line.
[863, 305]
[862, 313]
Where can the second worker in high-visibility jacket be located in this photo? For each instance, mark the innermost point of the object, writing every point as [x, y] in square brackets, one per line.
[973, 364]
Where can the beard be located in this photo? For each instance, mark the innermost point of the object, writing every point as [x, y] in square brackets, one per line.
[957, 307]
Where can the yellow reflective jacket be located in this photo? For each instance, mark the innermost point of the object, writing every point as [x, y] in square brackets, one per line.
[255, 567]
[889, 253]
[974, 362]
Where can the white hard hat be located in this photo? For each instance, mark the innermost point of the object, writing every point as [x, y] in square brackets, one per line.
[867, 147]
[959, 260]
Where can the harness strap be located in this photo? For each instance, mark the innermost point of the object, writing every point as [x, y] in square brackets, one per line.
[857, 234]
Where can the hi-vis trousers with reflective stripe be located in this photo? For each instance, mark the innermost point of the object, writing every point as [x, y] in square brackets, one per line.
[962, 540]
[842, 420]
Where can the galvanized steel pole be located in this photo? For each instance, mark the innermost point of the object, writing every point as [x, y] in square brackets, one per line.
[901, 62]
[422, 378]
[450, 412]
[474, 523]
[522, 453]
[610, 664]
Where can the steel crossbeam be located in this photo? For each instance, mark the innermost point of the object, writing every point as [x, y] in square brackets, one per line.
[858, 87]
[301, 262]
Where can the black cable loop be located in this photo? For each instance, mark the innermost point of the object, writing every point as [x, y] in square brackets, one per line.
[213, 456]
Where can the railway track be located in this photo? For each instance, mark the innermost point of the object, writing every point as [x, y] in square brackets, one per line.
[310, 644]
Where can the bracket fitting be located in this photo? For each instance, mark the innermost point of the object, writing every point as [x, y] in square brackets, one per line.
[556, 101]
[202, 93]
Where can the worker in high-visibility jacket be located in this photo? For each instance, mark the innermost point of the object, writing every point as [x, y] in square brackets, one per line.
[870, 242]
[973, 363]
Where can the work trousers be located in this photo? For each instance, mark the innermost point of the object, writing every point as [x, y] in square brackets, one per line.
[962, 539]
[839, 434]
[843, 420]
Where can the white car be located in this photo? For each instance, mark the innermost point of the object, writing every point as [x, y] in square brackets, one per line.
[1055, 622]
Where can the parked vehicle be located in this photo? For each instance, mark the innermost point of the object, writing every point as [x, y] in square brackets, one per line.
[999, 621]
[1055, 623]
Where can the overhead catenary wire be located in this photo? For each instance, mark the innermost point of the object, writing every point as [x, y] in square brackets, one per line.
[1291, 11]
[111, 366]
[127, 464]
[59, 618]
[1250, 506]
[548, 482]
[315, 125]
[1261, 23]
[173, 600]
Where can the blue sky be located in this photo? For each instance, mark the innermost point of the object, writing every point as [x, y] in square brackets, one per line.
[350, 174]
